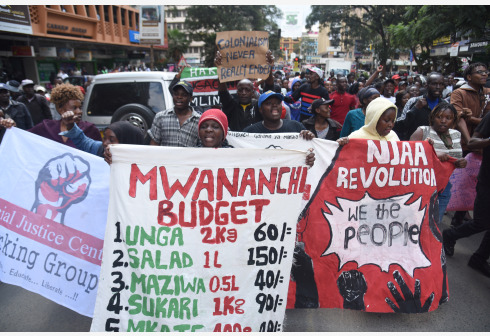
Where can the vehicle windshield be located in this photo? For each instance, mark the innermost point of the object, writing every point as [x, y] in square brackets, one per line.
[107, 98]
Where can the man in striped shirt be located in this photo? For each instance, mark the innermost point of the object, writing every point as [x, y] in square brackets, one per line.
[308, 92]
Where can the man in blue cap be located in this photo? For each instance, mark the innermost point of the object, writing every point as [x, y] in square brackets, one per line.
[271, 109]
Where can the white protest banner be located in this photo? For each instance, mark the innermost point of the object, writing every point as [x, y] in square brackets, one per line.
[52, 204]
[199, 239]
[243, 55]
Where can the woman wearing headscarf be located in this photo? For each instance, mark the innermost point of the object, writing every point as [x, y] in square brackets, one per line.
[354, 119]
[213, 128]
[380, 119]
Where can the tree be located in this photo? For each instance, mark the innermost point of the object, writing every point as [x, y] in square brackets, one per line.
[206, 21]
[366, 23]
[177, 44]
[421, 25]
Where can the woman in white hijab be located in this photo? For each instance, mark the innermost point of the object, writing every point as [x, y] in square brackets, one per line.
[379, 122]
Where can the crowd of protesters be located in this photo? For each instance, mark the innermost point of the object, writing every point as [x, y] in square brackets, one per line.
[451, 114]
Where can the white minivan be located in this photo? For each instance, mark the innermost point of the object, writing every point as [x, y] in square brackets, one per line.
[132, 96]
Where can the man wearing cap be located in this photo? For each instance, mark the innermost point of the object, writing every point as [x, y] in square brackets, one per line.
[36, 104]
[343, 102]
[271, 109]
[178, 125]
[320, 124]
[243, 110]
[13, 109]
[309, 91]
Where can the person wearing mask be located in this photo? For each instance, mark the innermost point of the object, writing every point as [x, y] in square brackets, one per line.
[37, 105]
[355, 119]
[343, 102]
[66, 97]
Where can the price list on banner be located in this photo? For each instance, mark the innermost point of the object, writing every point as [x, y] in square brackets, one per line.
[199, 242]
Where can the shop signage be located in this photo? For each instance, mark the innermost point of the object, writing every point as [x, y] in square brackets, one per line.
[83, 55]
[47, 51]
[152, 28]
[442, 41]
[477, 47]
[134, 36]
[67, 29]
[15, 18]
[23, 51]
[66, 53]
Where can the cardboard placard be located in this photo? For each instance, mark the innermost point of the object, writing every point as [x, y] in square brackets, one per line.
[243, 55]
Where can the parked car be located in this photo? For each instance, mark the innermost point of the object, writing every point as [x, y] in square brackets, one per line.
[132, 96]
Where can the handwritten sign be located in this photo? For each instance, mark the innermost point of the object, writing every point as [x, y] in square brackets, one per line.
[193, 246]
[369, 231]
[51, 219]
[243, 55]
[205, 83]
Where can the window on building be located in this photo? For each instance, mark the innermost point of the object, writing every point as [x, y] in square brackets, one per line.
[106, 12]
[130, 19]
[115, 9]
[123, 16]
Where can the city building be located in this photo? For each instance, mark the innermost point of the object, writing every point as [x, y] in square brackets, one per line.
[175, 17]
[45, 38]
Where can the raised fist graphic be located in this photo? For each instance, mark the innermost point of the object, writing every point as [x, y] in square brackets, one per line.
[63, 181]
[352, 286]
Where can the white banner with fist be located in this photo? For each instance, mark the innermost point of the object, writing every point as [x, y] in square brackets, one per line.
[51, 231]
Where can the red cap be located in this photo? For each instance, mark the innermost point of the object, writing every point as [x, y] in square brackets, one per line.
[396, 77]
[216, 115]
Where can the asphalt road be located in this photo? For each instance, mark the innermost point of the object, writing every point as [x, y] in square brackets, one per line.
[466, 311]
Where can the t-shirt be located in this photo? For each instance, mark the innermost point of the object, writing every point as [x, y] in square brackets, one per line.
[288, 126]
[308, 95]
[484, 129]
[343, 103]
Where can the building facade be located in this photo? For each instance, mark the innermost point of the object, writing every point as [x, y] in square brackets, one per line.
[175, 17]
[69, 37]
